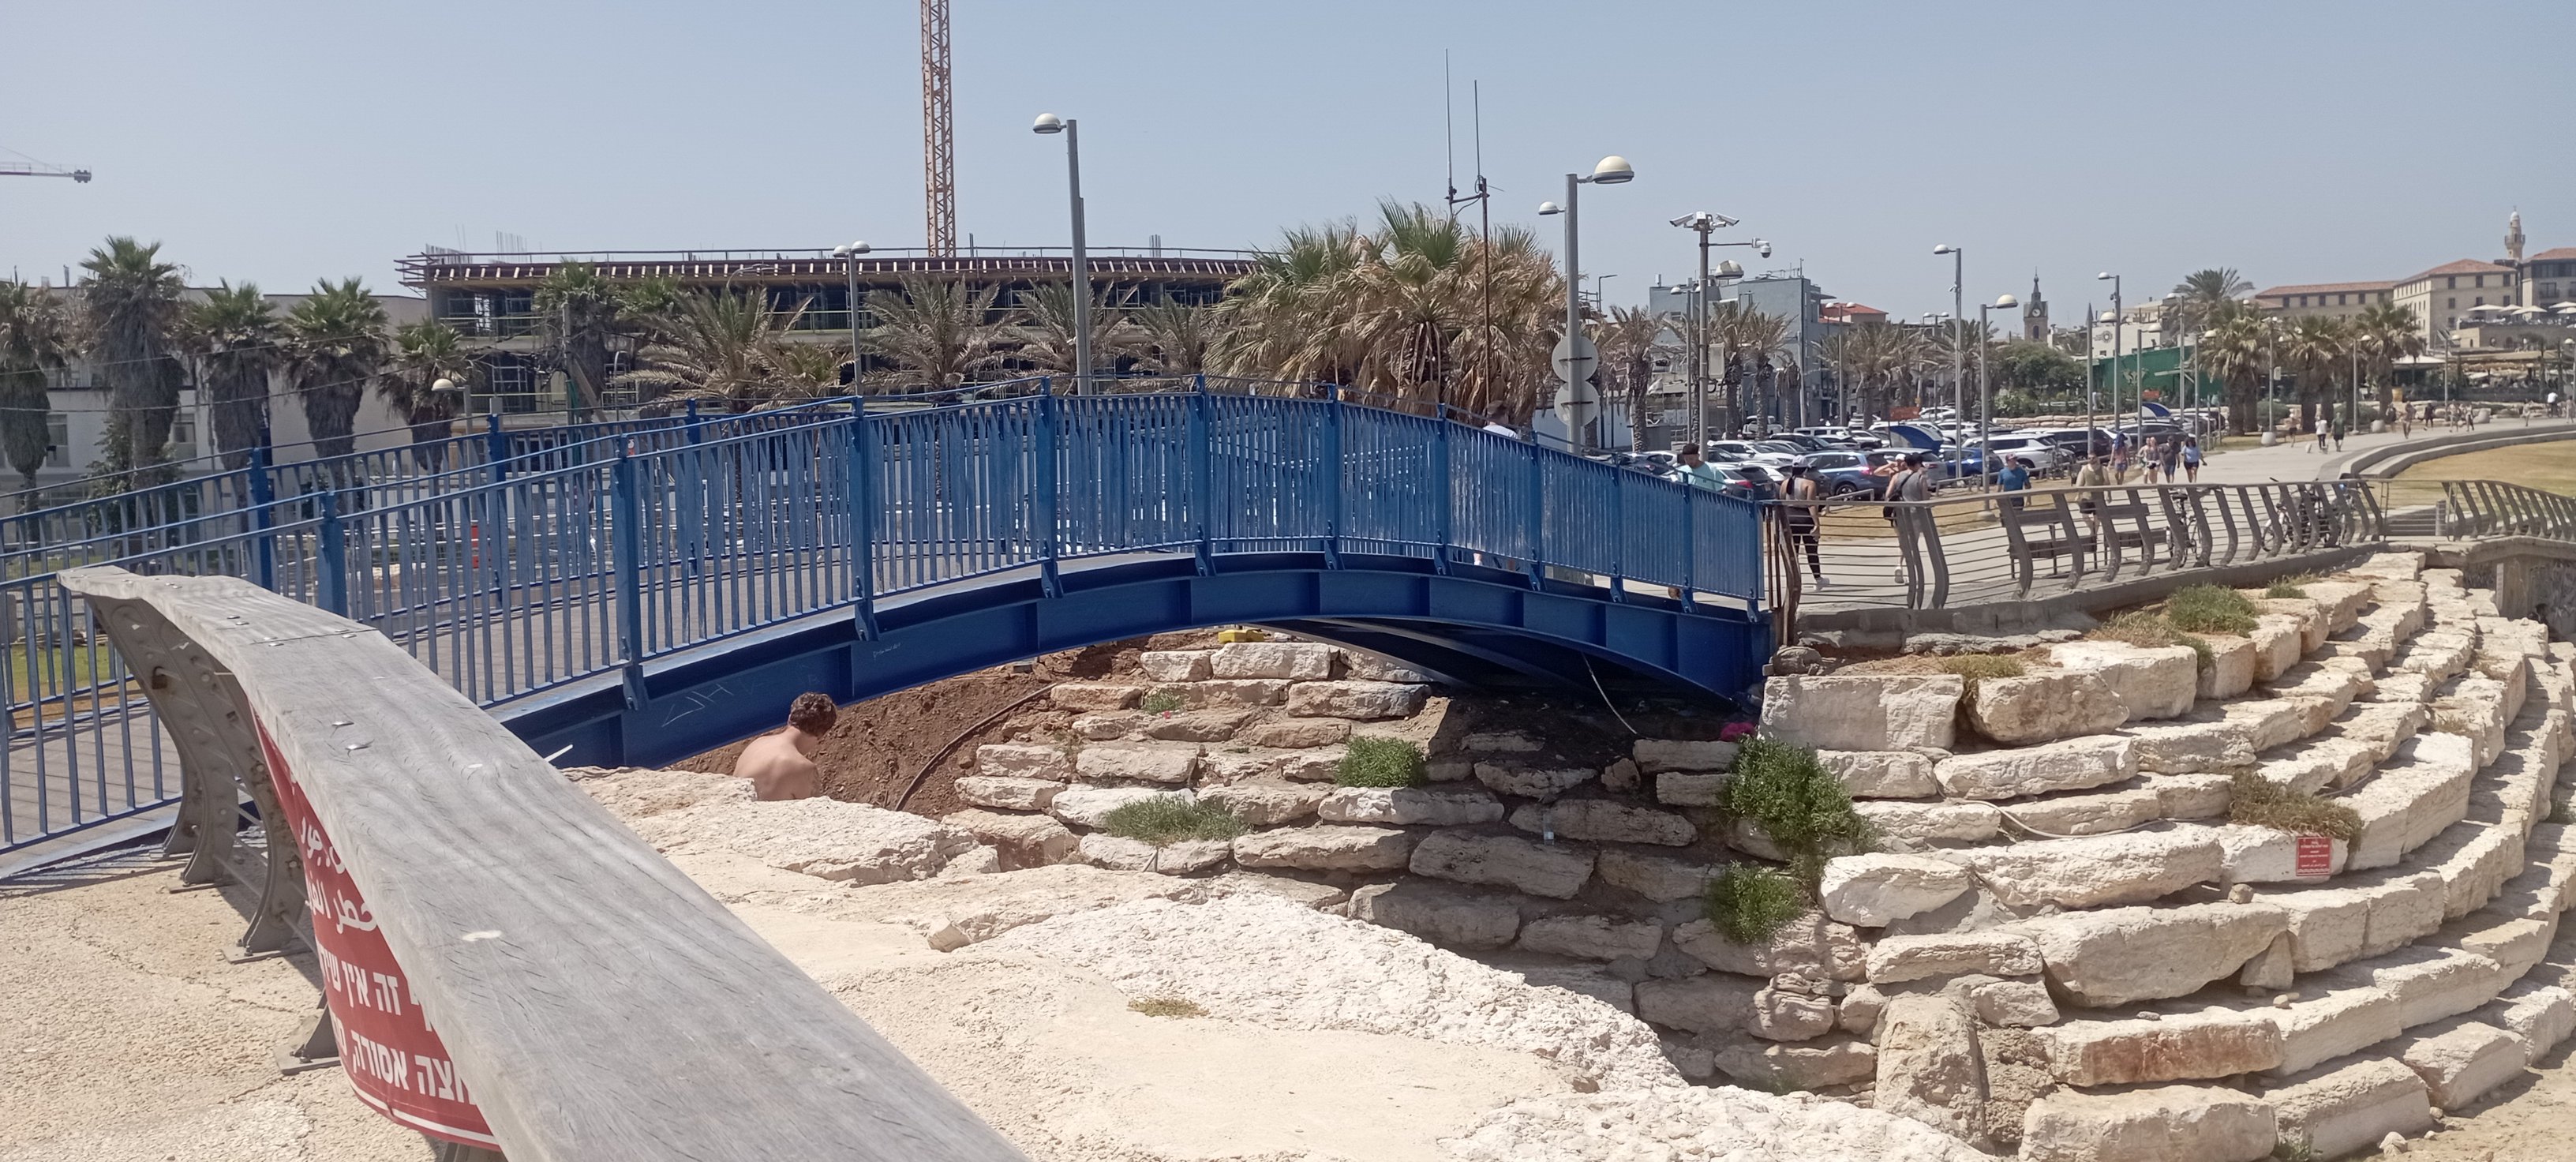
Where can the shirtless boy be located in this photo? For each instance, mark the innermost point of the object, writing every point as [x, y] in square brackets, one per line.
[780, 764]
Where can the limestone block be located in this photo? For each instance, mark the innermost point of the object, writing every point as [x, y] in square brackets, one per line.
[1591, 980]
[1090, 806]
[1656, 755]
[2044, 705]
[1023, 761]
[2381, 726]
[2098, 870]
[2205, 796]
[1878, 889]
[2298, 611]
[1532, 782]
[2541, 1015]
[2070, 765]
[1196, 725]
[1801, 1065]
[1929, 1066]
[1592, 937]
[1450, 919]
[2015, 1003]
[1430, 806]
[1555, 871]
[2272, 722]
[2214, 1042]
[1106, 725]
[1355, 699]
[1327, 847]
[2124, 955]
[2430, 983]
[1101, 849]
[1500, 742]
[1929, 822]
[2153, 681]
[1747, 836]
[1172, 763]
[2337, 1111]
[2317, 764]
[1095, 696]
[1691, 788]
[2190, 748]
[1653, 876]
[1897, 959]
[1295, 661]
[1787, 1015]
[2459, 1060]
[1009, 793]
[2088, 812]
[2340, 601]
[1622, 776]
[1174, 665]
[1859, 1010]
[2402, 908]
[2173, 1123]
[1226, 692]
[1810, 945]
[1266, 802]
[2231, 667]
[2474, 861]
[2516, 942]
[2403, 688]
[1708, 1003]
[1829, 712]
[2272, 968]
[2278, 643]
[2417, 794]
[1374, 668]
[2264, 855]
[1882, 774]
[1604, 821]
[1021, 840]
[2323, 1027]
[1319, 764]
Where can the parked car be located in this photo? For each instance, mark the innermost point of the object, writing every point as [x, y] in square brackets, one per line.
[1749, 481]
[1747, 452]
[1845, 474]
[2043, 456]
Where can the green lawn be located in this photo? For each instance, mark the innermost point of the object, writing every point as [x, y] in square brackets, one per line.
[2550, 467]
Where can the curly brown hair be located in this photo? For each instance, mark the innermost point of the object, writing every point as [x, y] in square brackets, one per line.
[813, 713]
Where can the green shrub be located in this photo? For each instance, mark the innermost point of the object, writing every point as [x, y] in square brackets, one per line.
[2290, 586]
[2210, 609]
[1802, 807]
[1166, 1007]
[2562, 811]
[1168, 819]
[1748, 902]
[2139, 627]
[1975, 667]
[2259, 802]
[1381, 762]
[1162, 702]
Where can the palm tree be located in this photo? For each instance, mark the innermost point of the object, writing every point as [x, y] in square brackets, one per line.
[423, 354]
[236, 339]
[803, 371]
[2203, 294]
[2316, 348]
[1285, 318]
[2387, 333]
[720, 347]
[336, 340]
[1177, 337]
[1629, 342]
[35, 340]
[939, 329]
[1047, 331]
[129, 306]
[1750, 339]
[581, 316]
[2233, 346]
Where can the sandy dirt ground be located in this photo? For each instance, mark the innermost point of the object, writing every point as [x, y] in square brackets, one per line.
[125, 1036]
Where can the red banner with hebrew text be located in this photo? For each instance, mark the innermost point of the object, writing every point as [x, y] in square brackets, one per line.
[388, 1048]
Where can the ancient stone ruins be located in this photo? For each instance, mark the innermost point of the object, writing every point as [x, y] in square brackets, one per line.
[2059, 946]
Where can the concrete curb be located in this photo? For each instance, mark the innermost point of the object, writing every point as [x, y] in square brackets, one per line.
[2392, 459]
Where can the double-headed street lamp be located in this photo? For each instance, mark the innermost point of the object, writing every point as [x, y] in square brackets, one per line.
[1612, 171]
[1986, 387]
[2115, 350]
[849, 256]
[1702, 222]
[1958, 330]
[1048, 123]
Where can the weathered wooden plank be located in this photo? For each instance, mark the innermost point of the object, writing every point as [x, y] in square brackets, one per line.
[600, 1006]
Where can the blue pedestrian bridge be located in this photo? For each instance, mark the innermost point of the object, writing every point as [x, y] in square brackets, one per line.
[638, 591]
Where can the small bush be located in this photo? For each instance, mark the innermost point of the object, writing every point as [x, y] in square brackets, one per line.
[1381, 762]
[2141, 628]
[1748, 902]
[1168, 819]
[2562, 811]
[2261, 803]
[1166, 1007]
[2210, 609]
[1975, 666]
[1162, 702]
[1797, 803]
[2285, 587]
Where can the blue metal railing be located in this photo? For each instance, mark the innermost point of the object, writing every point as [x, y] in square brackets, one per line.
[590, 551]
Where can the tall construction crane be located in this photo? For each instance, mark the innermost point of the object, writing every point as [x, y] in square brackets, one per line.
[38, 169]
[938, 133]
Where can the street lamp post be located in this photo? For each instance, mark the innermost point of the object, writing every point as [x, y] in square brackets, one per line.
[2116, 312]
[1958, 331]
[1986, 388]
[849, 256]
[1048, 123]
[1700, 222]
[1612, 171]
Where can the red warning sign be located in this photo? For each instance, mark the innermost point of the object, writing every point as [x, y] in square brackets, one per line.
[387, 1047]
[2315, 857]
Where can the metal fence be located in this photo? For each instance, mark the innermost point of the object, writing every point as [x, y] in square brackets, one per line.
[521, 573]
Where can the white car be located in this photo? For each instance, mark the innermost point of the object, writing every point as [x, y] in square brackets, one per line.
[2043, 456]
[1746, 452]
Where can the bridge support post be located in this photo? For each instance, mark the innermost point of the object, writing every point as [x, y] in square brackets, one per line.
[1444, 504]
[627, 543]
[1618, 536]
[331, 587]
[698, 424]
[496, 447]
[1537, 522]
[262, 495]
[1690, 545]
[1332, 476]
[1049, 583]
[861, 464]
[1201, 489]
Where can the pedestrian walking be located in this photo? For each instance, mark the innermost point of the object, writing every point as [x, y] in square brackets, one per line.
[2405, 422]
[1802, 504]
[2173, 459]
[2191, 457]
[2151, 457]
[2320, 446]
[2338, 435]
[1696, 472]
[2014, 478]
[2091, 475]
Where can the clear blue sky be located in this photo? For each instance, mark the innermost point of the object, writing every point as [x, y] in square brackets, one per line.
[2298, 142]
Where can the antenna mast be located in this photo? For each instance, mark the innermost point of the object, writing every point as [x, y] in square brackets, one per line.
[938, 134]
